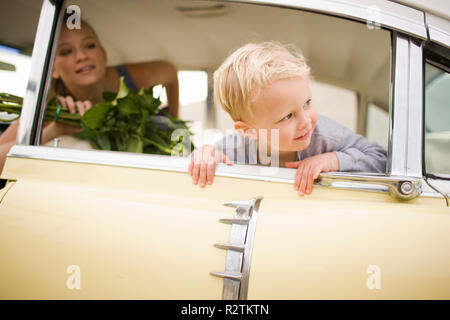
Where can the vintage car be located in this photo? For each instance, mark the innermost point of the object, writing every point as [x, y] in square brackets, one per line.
[90, 224]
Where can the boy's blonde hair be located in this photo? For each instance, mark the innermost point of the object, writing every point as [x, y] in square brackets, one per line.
[240, 77]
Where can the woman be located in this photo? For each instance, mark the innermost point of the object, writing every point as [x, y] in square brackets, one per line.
[80, 75]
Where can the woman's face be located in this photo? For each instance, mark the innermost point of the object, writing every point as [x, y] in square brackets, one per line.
[80, 60]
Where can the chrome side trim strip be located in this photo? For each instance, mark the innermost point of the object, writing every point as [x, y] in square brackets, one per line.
[239, 250]
[41, 61]
[385, 13]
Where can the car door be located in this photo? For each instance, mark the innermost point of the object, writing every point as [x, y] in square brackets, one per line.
[98, 224]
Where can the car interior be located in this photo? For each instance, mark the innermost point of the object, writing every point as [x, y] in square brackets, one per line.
[350, 61]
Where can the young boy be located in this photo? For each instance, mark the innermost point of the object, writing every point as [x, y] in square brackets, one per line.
[265, 89]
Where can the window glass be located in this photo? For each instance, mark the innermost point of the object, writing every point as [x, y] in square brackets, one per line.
[377, 128]
[437, 120]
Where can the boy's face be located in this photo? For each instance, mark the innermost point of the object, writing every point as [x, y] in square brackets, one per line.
[286, 105]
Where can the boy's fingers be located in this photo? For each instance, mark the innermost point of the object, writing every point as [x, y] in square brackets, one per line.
[294, 164]
[210, 172]
[303, 181]
[310, 181]
[196, 172]
[226, 159]
[316, 174]
[298, 176]
[202, 180]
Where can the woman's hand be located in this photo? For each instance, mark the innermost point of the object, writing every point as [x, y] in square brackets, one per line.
[309, 169]
[74, 106]
[203, 164]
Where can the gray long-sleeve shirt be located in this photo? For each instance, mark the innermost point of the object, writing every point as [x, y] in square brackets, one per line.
[354, 152]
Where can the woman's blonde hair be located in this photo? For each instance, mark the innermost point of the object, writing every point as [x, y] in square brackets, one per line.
[240, 77]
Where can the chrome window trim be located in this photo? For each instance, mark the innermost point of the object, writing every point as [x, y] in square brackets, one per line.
[405, 139]
[153, 161]
[100, 157]
[176, 164]
[438, 29]
[39, 80]
[390, 15]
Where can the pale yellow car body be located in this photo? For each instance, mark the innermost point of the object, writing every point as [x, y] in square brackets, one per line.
[136, 229]
[149, 234]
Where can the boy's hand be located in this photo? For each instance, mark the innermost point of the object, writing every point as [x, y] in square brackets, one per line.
[309, 169]
[203, 164]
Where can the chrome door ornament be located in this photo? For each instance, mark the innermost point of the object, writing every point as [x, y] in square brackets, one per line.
[239, 249]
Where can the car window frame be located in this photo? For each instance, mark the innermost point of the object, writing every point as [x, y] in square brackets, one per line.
[406, 45]
[439, 57]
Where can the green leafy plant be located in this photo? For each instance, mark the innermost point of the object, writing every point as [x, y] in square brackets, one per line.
[126, 121]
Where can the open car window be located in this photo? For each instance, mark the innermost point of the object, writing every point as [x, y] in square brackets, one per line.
[350, 61]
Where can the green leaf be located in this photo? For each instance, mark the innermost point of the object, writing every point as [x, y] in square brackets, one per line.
[123, 91]
[127, 107]
[135, 144]
[94, 117]
[86, 134]
[141, 128]
[108, 95]
[120, 144]
[103, 142]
